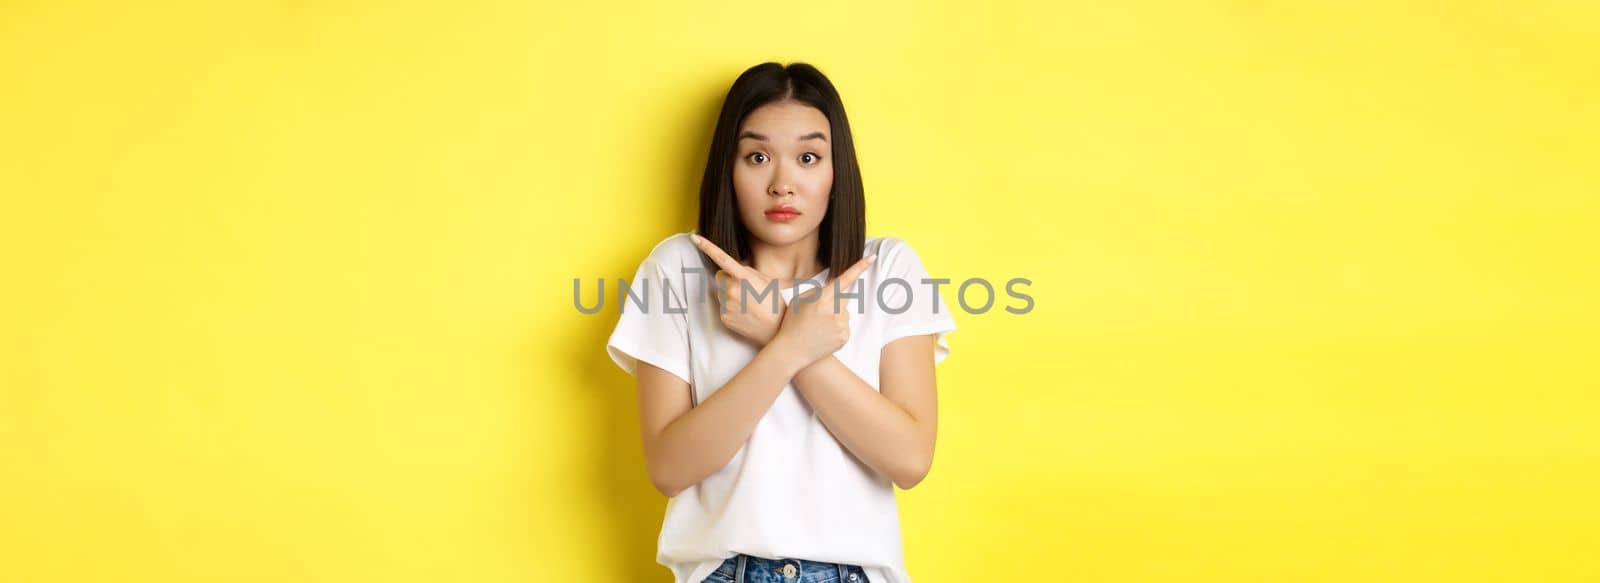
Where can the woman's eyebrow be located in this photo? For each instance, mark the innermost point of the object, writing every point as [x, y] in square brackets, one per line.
[763, 137]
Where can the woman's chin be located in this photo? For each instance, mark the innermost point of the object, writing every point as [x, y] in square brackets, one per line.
[781, 234]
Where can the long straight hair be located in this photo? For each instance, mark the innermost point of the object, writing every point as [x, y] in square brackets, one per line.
[843, 230]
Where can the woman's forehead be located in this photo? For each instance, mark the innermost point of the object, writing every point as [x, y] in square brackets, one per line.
[784, 121]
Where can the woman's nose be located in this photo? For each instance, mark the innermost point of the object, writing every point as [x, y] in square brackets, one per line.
[781, 185]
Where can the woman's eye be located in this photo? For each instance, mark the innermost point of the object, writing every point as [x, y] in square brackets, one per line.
[812, 155]
[756, 157]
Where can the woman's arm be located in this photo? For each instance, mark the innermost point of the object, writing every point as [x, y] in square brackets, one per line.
[891, 431]
[684, 443]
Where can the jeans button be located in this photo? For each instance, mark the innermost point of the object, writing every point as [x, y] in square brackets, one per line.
[852, 576]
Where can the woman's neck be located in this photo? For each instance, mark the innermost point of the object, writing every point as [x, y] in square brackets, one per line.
[786, 263]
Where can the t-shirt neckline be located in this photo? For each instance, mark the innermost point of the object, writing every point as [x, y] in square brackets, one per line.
[820, 279]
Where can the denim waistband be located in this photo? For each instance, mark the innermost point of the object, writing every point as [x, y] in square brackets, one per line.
[742, 568]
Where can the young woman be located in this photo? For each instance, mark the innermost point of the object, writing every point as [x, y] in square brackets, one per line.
[778, 424]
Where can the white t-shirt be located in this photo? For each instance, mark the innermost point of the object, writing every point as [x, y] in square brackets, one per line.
[792, 491]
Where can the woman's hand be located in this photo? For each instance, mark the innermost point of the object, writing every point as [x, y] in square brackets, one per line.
[740, 310]
[813, 329]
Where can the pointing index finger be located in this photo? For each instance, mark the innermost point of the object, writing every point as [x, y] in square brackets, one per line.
[848, 278]
[717, 255]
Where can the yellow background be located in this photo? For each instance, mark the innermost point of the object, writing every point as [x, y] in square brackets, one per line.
[288, 285]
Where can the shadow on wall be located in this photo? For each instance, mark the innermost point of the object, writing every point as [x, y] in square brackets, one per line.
[610, 419]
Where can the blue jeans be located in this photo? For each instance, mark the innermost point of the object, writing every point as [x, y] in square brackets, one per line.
[742, 568]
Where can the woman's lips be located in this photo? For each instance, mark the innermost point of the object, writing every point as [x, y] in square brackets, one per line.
[782, 215]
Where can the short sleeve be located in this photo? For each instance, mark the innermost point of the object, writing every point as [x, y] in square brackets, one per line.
[653, 326]
[925, 312]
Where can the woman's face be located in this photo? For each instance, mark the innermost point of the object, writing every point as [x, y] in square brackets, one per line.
[785, 161]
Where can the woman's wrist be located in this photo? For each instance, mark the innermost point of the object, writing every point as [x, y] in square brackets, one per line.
[777, 325]
[783, 351]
